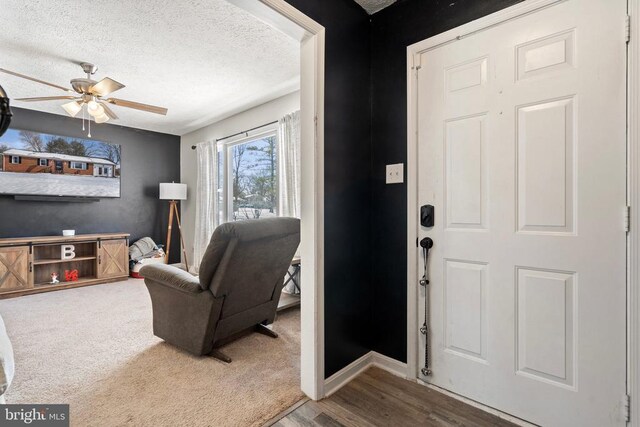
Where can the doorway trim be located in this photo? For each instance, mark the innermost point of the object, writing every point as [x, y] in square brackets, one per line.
[311, 35]
[413, 65]
[633, 174]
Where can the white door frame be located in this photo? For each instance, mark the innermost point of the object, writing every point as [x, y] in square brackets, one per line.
[633, 95]
[633, 173]
[311, 35]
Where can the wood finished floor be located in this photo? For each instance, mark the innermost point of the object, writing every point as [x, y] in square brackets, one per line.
[378, 398]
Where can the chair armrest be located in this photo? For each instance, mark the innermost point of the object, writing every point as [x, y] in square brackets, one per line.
[173, 277]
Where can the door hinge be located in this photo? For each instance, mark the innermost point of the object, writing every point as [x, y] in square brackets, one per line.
[627, 29]
[626, 407]
[627, 219]
[417, 62]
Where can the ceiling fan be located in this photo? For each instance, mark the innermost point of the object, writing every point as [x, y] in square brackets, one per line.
[89, 94]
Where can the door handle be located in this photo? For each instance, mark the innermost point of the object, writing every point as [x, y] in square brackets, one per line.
[425, 244]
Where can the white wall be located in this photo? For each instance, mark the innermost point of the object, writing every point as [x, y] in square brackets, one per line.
[256, 116]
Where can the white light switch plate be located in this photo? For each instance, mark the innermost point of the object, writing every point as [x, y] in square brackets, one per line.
[395, 173]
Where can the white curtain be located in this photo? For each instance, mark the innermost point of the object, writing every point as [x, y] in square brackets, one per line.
[206, 199]
[289, 165]
[289, 172]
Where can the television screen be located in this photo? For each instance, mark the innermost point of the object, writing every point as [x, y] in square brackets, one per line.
[39, 164]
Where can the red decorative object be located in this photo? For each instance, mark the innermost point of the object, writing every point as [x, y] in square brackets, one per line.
[71, 275]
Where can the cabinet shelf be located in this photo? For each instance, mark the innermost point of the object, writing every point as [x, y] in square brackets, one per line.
[45, 261]
[80, 282]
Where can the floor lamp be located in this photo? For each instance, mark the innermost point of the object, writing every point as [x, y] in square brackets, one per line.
[174, 192]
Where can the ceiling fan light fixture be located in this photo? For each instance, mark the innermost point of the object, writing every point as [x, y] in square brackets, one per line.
[97, 111]
[101, 119]
[92, 106]
[72, 108]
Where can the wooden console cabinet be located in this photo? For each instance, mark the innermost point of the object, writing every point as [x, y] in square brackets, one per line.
[26, 263]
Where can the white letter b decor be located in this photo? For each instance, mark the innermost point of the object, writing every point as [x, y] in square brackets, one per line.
[68, 251]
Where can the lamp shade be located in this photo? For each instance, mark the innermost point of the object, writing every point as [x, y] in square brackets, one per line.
[173, 191]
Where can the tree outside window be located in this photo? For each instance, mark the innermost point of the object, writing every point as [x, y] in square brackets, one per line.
[254, 187]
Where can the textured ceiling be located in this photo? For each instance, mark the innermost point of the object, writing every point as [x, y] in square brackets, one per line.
[202, 59]
[373, 6]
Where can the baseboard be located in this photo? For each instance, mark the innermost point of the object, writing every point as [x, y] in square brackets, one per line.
[352, 370]
[336, 381]
[390, 365]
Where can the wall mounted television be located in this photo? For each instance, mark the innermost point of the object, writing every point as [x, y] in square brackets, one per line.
[40, 164]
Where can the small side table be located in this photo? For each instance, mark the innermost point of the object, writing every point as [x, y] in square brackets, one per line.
[295, 263]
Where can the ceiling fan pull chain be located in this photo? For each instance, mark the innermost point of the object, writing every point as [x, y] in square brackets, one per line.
[89, 134]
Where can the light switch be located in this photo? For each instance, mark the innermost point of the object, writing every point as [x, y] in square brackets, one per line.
[395, 173]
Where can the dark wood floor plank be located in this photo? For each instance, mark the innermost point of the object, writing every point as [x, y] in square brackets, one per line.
[309, 415]
[378, 398]
[382, 406]
[325, 420]
[431, 400]
[344, 415]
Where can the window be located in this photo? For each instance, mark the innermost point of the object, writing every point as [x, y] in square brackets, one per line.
[16, 160]
[78, 165]
[103, 170]
[43, 162]
[248, 180]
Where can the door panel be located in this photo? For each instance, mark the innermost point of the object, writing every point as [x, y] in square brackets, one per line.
[466, 308]
[113, 259]
[522, 151]
[545, 325]
[14, 268]
[465, 172]
[545, 164]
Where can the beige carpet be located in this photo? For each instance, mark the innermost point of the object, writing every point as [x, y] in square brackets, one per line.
[94, 348]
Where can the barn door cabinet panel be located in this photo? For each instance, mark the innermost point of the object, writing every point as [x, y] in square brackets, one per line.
[28, 265]
[15, 269]
[113, 258]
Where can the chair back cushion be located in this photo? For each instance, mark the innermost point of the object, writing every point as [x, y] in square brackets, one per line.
[247, 260]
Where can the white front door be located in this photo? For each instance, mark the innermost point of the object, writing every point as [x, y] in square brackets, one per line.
[521, 150]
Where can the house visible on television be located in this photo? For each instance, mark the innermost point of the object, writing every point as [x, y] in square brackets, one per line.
[24, 161]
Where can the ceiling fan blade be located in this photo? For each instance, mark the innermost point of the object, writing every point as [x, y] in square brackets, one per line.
[137, 106]
[46, 98]
[109, 112]
[106, 86]
[22, 76]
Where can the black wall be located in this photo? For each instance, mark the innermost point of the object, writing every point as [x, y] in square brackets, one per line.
[392, 30]
[348, 293]
[365, 129]
[148, 158]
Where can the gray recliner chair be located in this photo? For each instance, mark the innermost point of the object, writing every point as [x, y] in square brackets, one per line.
[241, 278]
